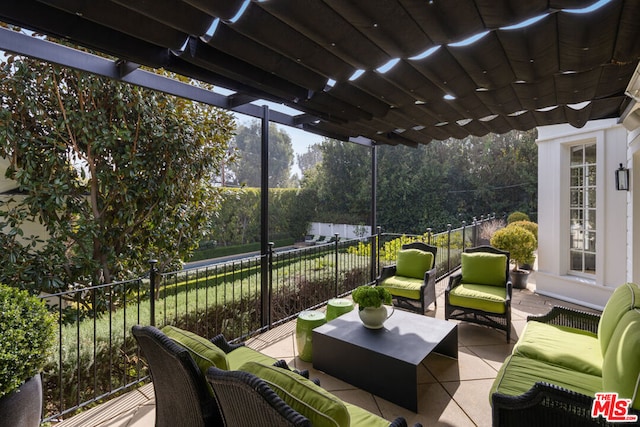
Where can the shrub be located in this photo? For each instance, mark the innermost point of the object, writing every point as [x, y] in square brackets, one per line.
[26, 333]
[371, 296]
[518, 241]
[530, 226]
[517, 216]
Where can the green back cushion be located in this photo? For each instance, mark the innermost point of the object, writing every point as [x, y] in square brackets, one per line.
[557, 345]
[204, 352]
[322, 408]
[483, 268]
[621, 365]
[623, 299]
[413, 263]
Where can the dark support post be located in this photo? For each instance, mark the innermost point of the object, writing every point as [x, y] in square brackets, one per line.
[475, 232]
[152, 291]
[429, 230]
[270, 276]
[337, 269]
[265, 299]
[374, 207]
[377, 246]
[464, 230]
[448, 247]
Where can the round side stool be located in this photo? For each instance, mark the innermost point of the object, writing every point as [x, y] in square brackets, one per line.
[337, 307]
[307, 320]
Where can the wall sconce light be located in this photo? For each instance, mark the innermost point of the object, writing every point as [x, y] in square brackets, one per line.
[622, 178]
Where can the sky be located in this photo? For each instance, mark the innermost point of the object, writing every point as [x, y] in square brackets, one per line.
[300, 140]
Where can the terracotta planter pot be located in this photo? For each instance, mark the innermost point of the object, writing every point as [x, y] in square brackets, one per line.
[23, 406]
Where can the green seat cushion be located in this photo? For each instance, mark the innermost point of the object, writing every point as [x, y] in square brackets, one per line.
[479, 297]
[560, 345]
[413, 263]
[401, 286]
[518, 374]
[621, 366]
[244, 354]
[322, 408]
[363, 418]
[484, 268]
[204, 352]
[623, 299]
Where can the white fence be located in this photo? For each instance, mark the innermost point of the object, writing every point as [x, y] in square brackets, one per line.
[346, 231]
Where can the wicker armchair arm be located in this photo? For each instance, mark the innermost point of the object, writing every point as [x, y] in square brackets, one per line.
[545, 405]
[401, 422]
[387, 271]
[563, 316]
[225, 346]
[454, 280]
[430, 276]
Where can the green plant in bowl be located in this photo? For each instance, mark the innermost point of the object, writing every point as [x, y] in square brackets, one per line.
[370, 296]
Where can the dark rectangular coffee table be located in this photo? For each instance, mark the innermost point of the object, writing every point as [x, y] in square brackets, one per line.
[382, 361]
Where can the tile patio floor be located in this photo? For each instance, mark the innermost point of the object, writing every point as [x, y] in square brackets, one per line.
[451, 392]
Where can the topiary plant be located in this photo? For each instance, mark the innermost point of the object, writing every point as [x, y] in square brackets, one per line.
[371, 296]
[520, 243]
[517, 216]
[27, 335]
[529, 226]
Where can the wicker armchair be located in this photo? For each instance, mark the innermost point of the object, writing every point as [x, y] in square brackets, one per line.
[181, 392]
[426, 290]
[245, 399]
[500, 318]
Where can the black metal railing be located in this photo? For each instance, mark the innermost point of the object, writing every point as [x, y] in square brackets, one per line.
[97, 358]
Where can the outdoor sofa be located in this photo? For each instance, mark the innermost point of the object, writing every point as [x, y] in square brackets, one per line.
[563, 358]
[179, 360]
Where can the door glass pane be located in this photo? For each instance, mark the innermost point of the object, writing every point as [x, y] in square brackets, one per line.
[577, 157]
[576, 261]
[582, 209]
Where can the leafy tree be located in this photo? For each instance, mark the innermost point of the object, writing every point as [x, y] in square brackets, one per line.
[116, 173]
[310, 158]
[247, 169]
[342, 182]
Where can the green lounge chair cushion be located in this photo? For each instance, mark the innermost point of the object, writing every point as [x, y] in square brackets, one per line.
[401, 286]
[623, 299]
[244, 354]
[479, 297]
[484, 268]
[559, 344]
[204, 352]
[621, 365]
[310, 400]
[413, 263]
[518, 374]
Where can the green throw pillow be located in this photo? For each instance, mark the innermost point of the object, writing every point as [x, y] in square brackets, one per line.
[623, 299]
[322, 408]
[204, 352]
[484, 268]
[413, 263]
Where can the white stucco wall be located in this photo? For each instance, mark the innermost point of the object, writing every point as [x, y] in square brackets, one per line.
[612, 237]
